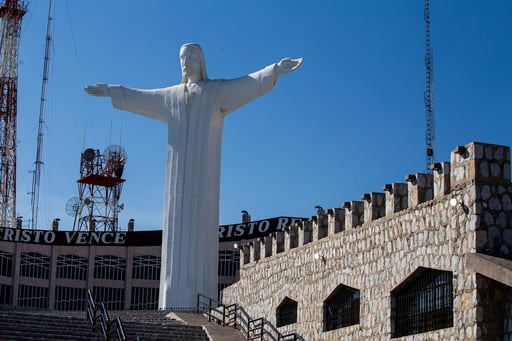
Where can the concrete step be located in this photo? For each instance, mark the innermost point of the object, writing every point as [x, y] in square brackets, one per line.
[26, 326]
[147, 325]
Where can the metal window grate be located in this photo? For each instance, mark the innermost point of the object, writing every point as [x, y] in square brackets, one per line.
[33, 297]
[110, 267]
[144, 299]
[5, 294]
[220, 287]
[146, 267]
[229, 263]
[5, 264]
[286, 313]
[112, 297]
[424, 304]
[35, 265]
[70, 298]
[341, 309]
[72, 267]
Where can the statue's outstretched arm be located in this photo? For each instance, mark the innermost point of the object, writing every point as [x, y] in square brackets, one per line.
[286, 65]
[101, 90]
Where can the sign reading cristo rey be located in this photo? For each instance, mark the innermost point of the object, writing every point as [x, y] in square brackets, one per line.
[194, 112]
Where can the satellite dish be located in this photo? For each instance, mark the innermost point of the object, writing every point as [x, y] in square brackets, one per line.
[89, 154]
[88, 201]
[72, 206]
[115, 153]
[116, 158]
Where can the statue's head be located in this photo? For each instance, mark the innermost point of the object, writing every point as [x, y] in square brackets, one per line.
[192, 63]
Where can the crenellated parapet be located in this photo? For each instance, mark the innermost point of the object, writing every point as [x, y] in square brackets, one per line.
[484, 166]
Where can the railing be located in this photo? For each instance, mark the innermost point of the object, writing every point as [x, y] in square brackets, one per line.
[97, 314]
[235, 316]
[211, 308]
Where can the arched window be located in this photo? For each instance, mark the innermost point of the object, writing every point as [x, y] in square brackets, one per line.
[110, 267]
[229, 263]
[5, 264]
[72, 267]
[35, 265]
[423, 302]
[146, 267]
[286, 312]
[341, 308]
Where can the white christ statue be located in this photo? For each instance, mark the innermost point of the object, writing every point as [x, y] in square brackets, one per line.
[194, 112]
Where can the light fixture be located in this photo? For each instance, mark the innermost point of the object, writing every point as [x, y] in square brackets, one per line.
[318, 256]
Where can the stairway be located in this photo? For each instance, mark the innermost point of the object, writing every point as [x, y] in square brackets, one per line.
[32, 325]
[141, 322]
[154, 325]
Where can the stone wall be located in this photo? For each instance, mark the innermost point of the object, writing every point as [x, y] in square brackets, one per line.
[374, 245]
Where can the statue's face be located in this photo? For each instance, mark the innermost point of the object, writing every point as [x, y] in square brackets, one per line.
[190, 64]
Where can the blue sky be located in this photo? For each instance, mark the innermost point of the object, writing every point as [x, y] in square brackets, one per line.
[349, 120]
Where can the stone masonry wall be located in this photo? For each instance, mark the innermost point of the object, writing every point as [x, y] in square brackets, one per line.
[458, 209]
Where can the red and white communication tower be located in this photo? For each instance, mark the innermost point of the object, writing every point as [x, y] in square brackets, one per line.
[11, 12]
[99, 187]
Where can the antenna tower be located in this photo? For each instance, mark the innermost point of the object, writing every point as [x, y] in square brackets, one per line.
[429, 95]
[99, 187]
[37, 172]
[11, 12]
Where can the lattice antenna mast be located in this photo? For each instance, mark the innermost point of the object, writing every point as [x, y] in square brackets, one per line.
[11, 13]
[429, 90]
[40, 134]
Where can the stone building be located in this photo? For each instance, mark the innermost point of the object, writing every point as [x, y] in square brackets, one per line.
[427, 259]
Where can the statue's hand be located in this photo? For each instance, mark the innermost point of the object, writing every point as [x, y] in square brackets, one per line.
[98, 90]
[288, 65]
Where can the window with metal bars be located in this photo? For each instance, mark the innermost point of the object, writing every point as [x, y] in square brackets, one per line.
[146, 267]
[72, 267]
[286, 313]
[220, 287]
[70, 298]
[112, 297]
[423, 303]
[5, 264]
[110, 267]
[33, 297]
[229, 263]
[35, 265]
[144, 299]
[341, 308]
[5, 294]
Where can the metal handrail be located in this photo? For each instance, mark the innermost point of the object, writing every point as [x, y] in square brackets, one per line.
[238, 318]
[97, 314]
[118, 332]
[104, 318]
[213, 309]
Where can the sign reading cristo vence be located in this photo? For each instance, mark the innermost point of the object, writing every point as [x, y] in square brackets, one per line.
[255, 229]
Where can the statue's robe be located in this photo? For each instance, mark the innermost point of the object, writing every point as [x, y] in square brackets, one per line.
[195, 117]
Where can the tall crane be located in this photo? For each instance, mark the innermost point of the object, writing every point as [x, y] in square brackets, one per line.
[429, 94]
[36, 180]
[11, 13]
